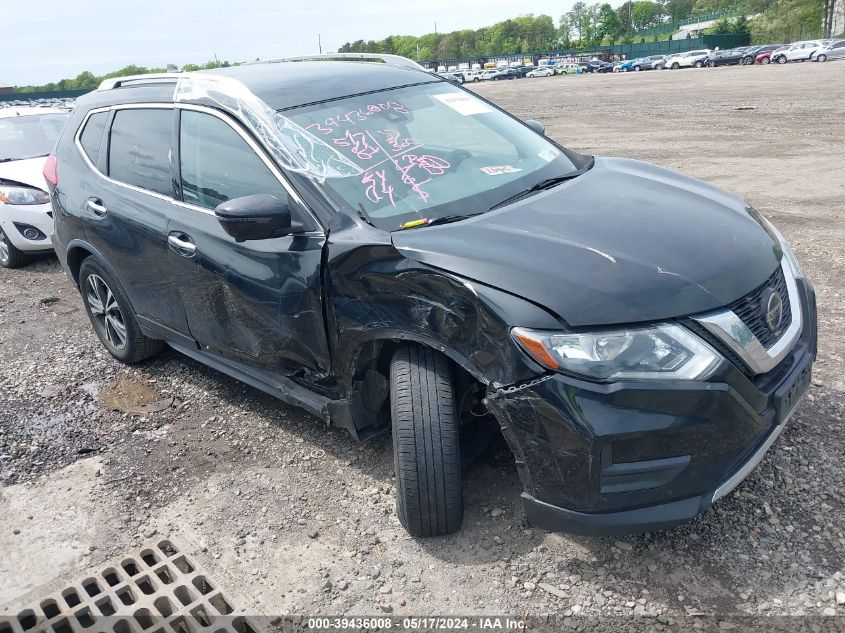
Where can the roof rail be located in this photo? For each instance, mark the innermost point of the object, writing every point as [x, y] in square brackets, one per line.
[117, 82]
[391, 60]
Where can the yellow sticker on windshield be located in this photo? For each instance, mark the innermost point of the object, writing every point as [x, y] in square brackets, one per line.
[463, 103]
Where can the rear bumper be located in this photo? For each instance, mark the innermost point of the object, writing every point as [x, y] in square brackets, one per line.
[627, 458]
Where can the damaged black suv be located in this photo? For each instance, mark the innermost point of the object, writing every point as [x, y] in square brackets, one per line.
[393, 253]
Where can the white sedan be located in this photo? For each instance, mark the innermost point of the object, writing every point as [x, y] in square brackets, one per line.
[27, 136]
[798, 51]
[543, 71]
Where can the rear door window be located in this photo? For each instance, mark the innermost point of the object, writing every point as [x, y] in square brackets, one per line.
[217, 164]
[139, 148]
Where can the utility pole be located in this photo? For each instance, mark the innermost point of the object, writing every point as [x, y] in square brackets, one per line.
[319, 43]
[435, 27]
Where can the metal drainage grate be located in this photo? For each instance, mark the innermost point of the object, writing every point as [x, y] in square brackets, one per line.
[158, 591]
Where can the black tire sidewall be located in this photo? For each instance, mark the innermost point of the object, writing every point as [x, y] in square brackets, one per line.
[438, 511]
[133, 350]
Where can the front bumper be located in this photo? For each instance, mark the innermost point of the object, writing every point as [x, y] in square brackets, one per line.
[14, 219]
[619, 458]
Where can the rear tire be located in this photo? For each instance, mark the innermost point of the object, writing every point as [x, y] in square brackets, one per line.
[765, 61]
[699, 64]
[112, 316]
[426, 450]
[11, 257]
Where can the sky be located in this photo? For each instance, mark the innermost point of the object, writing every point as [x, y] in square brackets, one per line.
[49, 40]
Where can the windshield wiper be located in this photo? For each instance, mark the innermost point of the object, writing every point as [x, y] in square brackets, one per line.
[547, 183]
[448, 219]
[445, 219]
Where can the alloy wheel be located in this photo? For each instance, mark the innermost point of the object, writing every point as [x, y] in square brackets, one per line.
[106, 312]
[821, 58]
[4, 249]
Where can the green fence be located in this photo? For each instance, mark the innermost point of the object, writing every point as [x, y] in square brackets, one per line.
[56, 94]
[670, 47]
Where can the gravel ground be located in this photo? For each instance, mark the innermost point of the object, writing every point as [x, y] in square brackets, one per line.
[97, 458]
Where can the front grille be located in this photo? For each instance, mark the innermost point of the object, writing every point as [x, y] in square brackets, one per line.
[750, 310]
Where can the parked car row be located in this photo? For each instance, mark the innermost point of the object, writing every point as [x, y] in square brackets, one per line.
[814, 50]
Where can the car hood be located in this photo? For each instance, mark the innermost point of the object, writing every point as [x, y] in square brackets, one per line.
[625, 242]
[26, 172]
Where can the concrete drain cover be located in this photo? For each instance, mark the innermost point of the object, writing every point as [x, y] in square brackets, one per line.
[158, 591]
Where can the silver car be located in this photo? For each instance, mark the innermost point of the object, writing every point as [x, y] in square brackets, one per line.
[834, 50]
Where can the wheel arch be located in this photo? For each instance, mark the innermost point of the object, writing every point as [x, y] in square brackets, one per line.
[77, 252]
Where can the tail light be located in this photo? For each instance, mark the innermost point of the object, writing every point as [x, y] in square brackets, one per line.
[51, 171]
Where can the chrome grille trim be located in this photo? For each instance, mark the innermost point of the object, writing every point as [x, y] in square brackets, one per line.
[733, 332]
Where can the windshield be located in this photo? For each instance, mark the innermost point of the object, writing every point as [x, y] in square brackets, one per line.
[29, 136]
[426, 152]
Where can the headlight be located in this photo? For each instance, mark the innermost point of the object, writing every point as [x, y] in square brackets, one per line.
[661, 352]
[786, 248]
[23, 195]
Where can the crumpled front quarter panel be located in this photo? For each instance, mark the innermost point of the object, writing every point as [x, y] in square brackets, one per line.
[376, 293]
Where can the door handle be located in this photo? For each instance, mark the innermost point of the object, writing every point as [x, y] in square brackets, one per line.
[97, 206]
[182, 244]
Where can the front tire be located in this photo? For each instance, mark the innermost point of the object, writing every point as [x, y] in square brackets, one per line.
[821, 57]
[426, 450]
[11, 257]
[765, 61]
[112, 316]
[675, 66]
[781, 60]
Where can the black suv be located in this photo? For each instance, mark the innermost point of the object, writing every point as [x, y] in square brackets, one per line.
[391, 252]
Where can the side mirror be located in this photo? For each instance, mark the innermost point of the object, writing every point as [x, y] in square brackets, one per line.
[536, 126]
[257, 217]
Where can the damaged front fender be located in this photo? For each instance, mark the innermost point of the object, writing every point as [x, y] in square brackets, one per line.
[379, 298]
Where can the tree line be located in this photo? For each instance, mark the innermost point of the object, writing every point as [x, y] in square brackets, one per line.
[583, 26]
[87, 80]
[591, 25]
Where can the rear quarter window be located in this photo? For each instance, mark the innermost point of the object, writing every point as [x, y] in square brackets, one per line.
[92, 134]
[139, 148]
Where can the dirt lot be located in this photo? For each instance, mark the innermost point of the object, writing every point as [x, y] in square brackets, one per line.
[97, 458]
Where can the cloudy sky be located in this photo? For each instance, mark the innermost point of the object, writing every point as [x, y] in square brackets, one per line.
[52, 39]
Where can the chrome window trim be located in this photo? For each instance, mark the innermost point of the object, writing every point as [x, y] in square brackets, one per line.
[729, 328]
[283, 181]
